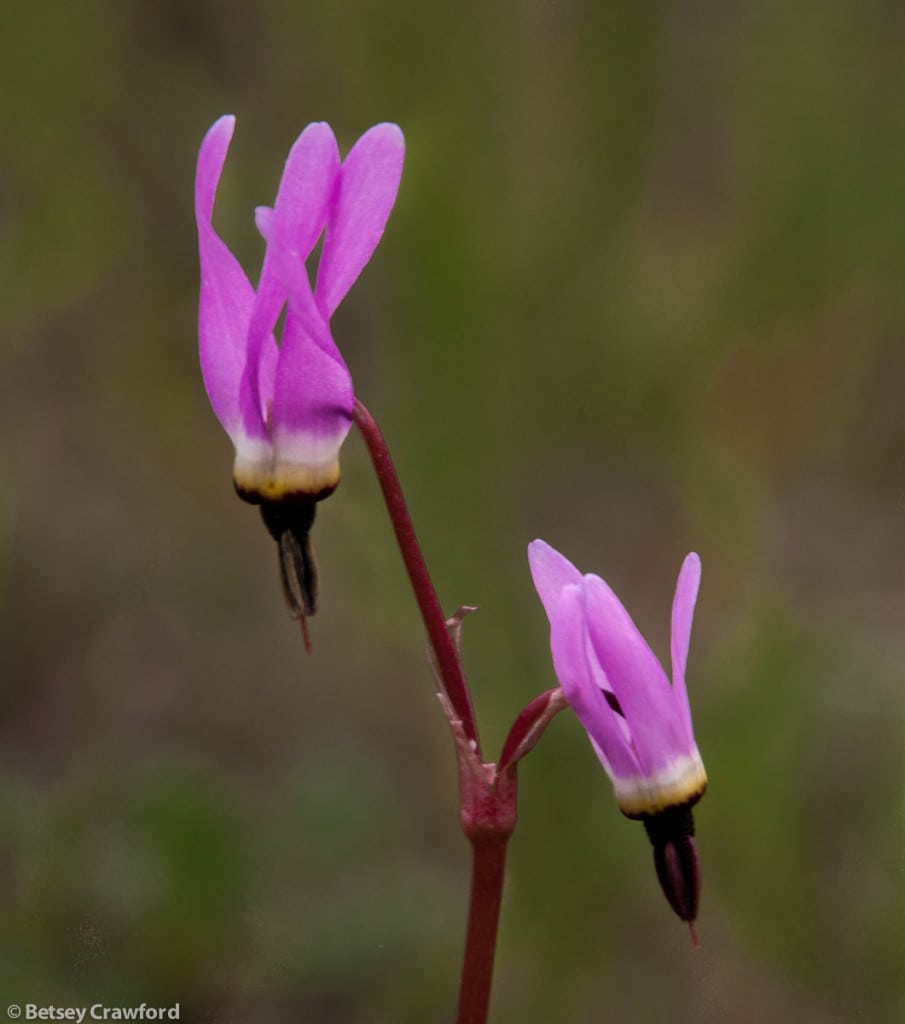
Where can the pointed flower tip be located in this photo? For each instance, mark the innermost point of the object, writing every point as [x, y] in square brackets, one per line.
[316, 130]
[544, 560]
[390, 133]
[222, 128]
[386, 133]
[264, 221]
[692, 564]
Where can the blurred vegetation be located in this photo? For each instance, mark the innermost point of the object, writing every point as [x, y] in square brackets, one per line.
[641, 294]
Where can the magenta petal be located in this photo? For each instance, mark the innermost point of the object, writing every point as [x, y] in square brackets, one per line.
[560, 587]
[312, 386]
[583, 684]
[298, 216]
[227, 297]
[368, 182]
[307, 188]
[638, 723]
[294, 281]
[257, 382]
[312, 397]
[682, 617]
[636, 677]
[551, 572]
[312, 410]
[294, 224]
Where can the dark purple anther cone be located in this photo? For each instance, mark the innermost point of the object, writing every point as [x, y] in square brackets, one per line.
[289, 523]
[676, 859]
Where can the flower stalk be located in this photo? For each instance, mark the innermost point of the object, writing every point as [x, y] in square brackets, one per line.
[488, 813]
[488, 869]
[449, 667]
[487, 795]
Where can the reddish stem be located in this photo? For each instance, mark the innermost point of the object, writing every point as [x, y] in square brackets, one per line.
[488, 797]
[528, 728]
[488, 866]
[448, 664]
[488, 809]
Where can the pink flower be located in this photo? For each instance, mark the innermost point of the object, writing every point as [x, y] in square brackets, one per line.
[288, 407]
[638, 722]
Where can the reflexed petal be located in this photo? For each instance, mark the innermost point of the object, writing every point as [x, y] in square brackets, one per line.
[313, 398]
[307, 188]
[582, 685]
[227, 297]
[312, 413]
[211, 158]
[293, 277]
[258, 376]
[551, 572]
[368, 182]
[635, 676]
[262, 352]
[300, 213]
[682, 616]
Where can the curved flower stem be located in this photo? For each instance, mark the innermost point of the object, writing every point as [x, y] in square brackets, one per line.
[448, 664]
[487, 795]
[528, 728]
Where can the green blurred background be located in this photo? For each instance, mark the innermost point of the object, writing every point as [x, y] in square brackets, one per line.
[641, 294]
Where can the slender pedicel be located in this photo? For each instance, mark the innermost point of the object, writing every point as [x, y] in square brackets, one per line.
[449, 665]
